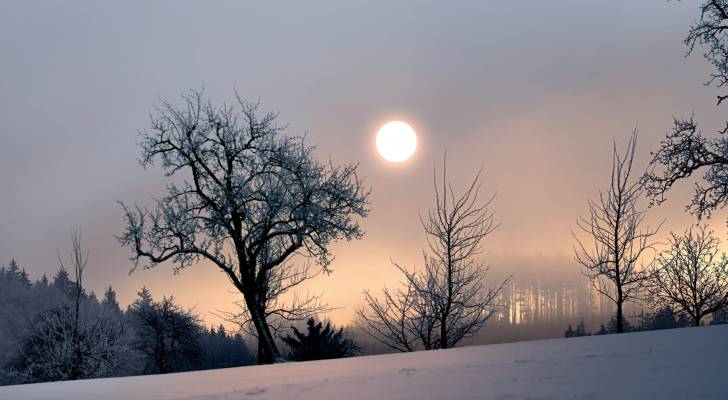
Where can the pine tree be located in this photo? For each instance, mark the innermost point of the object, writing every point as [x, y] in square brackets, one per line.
[612, 325]
[320, 343]
[581, 329]
[13, 271]
[109, 301]
[569, 332]
[25, 279]
[61, 281]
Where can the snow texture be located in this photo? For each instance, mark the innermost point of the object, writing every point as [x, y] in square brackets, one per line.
[686, 363]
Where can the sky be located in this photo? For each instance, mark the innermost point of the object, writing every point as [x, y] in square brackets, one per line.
[532, 92]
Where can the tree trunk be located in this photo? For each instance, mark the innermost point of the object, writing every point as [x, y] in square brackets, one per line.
[76, 370]
[443, 335]
[620, 301]
[620, 328]
[267, 349]
[261, 351]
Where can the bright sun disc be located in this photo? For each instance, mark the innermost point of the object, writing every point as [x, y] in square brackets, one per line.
[396, 141]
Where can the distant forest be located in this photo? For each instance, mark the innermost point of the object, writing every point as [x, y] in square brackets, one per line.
[42, 340]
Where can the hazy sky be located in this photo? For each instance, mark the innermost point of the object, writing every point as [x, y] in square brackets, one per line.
[531, 91]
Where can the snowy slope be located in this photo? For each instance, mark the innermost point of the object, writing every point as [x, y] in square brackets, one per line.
[690, 363]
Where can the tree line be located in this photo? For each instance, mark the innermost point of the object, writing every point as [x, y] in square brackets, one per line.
[57, 330]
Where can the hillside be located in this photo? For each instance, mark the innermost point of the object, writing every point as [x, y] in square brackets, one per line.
[677, 364]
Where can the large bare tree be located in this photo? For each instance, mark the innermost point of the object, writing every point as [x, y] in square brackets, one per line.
[243, 196]
[615, 239]
[447, 301]
[685, 150]
[692, 275]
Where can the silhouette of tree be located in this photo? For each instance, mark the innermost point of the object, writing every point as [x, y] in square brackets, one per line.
[109, 301]
[569, 332]
[446, 302]
[692, 275]
[254, 198]
[579, 331]
[613, 325]
[62, 281]
[618, 242]
[319, 343]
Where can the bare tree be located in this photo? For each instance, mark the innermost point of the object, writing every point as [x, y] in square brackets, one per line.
[447, 301]
[685, 150]
[616, 242]
[79, 260]
[245, 189]
[692, 275]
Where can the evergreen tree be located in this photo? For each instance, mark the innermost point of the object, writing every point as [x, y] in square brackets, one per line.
[62, 282]
[581, 329]
[43, 282]
[319, 343]
[13, 272]
[221, 350]
[569, 332]
[24, 278]
[612, 325]
[109, 301]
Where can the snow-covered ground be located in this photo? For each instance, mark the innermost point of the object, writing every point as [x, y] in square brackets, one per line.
[690, 363]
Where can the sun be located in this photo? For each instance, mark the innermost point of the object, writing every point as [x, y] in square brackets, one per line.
[396, 141]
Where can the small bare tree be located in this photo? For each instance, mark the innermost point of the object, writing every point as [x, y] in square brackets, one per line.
[692, 275]
[79, 260]
[616, 242]
[242, 189]
[447, 301]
